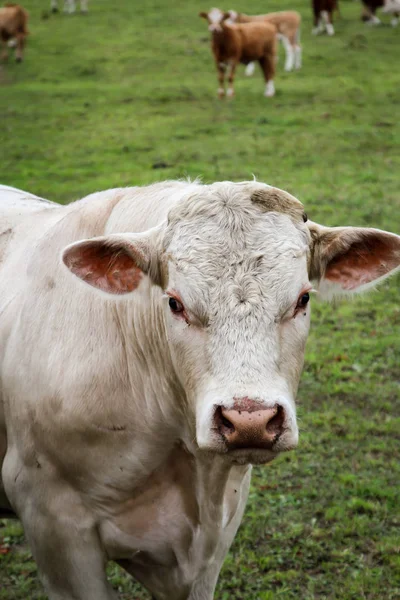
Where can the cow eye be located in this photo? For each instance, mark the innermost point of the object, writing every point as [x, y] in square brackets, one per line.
[303, 300]
[175, 306]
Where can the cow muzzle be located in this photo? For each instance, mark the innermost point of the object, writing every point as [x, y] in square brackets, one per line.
[246, 429]
[249, 425]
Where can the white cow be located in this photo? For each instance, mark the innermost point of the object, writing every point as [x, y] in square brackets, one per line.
[392, 7]
[69, 6]
[151, 344]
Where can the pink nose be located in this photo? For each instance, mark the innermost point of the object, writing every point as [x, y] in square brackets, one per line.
[248, 425]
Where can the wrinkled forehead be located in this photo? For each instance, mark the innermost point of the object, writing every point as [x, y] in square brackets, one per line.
[238, 232]
[237, 211]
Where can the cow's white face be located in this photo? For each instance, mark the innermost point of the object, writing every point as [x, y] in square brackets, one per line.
[237, 315]
[215, 17]
[234, 262]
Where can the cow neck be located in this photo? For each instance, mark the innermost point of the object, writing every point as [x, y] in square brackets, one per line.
[212, 476]
[221, 488]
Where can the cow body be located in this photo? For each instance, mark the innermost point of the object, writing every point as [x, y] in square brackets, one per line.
[122, 395]
[245, 43]
[13, 26]
[167, 517]
[287, 24]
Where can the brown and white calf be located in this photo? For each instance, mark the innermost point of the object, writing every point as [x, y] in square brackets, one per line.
[233, 44]
[388, 6]
[287, 24]
[69, 6]
[13, 28]
[151, 346]
[323, 16]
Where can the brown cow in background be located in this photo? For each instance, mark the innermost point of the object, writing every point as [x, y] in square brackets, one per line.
[323, 16]
[245, 43]
[287, 25]
[13, 26]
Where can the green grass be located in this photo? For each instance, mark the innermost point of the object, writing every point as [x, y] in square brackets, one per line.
[128, 96]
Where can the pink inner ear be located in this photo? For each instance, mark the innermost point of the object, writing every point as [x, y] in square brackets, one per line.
[366, 260]
[110, 269]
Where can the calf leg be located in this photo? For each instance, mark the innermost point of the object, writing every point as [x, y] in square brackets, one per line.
[297, 50]
[328, 22]
[221, 79]
[249, 70]
[267, 64]
[231, 78]
[318, 25]
[290, 53]
[373, 19]
[69, 6]
[19, 53]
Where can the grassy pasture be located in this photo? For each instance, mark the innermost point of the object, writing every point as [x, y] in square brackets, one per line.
[127, 96]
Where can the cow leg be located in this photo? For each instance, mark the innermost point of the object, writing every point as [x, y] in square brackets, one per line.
[19, 52]
[221, 79]
[297, 50]
[290, 53]
[84, 6]
[374, 19]
[318, 26]
[69, 6]
[297, 56]
[395, 20]
[249, 70]
[54, 6]
[231, 78]
[267, 64]
[61, 532]
[70, 561]
[328, 22]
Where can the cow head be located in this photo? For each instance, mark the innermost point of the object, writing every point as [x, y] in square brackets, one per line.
[215, 18]
[236, 265]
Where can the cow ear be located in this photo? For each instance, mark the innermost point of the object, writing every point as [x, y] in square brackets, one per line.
[226, 15]
[203, 15]
[114, 264]
[347, 260]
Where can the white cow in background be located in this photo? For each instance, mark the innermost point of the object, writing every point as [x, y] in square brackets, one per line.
[392, 7]
[151, 345]
[70, 6]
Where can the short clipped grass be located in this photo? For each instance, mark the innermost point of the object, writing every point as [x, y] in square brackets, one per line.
[126, 96]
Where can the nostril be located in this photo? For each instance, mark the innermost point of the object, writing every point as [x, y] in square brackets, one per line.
[275, 425]
[224, 425]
